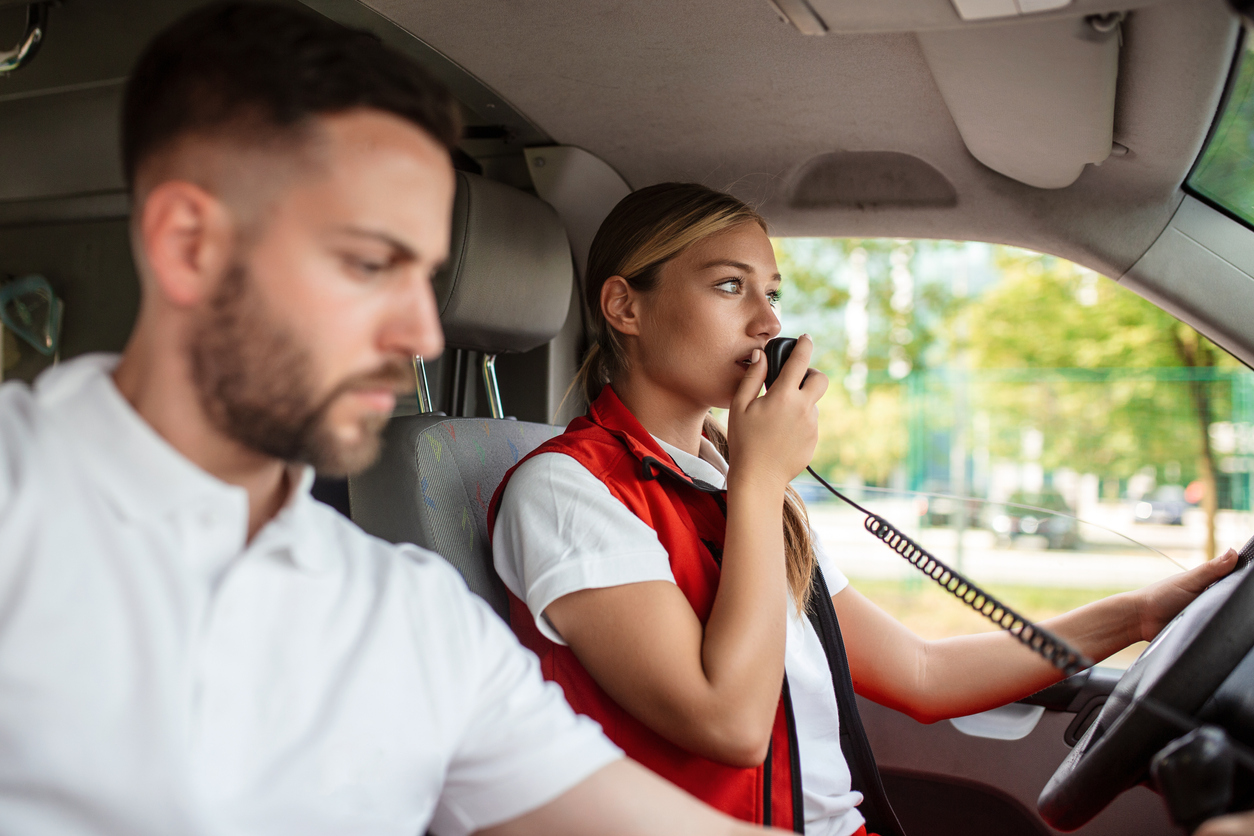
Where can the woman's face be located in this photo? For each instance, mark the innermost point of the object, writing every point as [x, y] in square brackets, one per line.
[714, 304]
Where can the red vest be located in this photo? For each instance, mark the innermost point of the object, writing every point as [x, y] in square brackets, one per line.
[690, 522]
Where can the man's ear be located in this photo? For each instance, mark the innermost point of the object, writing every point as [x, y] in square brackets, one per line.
[187, 236]
[620, 306]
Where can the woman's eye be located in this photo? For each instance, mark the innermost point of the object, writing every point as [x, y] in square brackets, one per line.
[729, 286]
[774, 296]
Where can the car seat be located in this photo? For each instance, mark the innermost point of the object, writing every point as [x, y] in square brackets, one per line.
[506, 288]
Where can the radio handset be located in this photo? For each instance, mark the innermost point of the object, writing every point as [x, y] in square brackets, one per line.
[1056, 651]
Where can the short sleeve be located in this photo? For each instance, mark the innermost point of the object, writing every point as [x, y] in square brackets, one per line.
[560, 530]
[523, 745]
[836, 580]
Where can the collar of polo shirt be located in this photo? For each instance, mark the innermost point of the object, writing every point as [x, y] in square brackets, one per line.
[144, 476]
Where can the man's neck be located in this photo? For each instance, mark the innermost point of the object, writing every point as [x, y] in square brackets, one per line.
[675, 420]
[159, 387]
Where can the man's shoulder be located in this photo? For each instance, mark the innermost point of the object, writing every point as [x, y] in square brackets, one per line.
[373, 560]
[18, 406]
[28, 412]
[20, 426]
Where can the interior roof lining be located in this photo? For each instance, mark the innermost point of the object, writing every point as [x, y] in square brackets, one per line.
[746, 106]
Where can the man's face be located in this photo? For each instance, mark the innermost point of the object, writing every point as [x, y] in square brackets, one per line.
[313, 327]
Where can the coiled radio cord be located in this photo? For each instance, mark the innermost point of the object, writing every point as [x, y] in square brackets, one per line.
[1053, 649]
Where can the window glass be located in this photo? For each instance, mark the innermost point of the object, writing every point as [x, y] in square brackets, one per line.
[1038, 427]
[1224, 174]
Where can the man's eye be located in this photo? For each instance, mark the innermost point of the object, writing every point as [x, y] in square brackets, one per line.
[366, 266]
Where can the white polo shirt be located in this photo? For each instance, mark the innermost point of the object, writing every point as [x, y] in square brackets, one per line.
[560, 530]
[158, 675]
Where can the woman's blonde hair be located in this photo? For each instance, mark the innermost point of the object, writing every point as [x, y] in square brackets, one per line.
[644, 231]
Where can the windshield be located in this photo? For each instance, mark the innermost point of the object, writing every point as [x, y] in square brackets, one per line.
[1046, 432]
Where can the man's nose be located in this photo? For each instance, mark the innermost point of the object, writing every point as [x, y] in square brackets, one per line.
[414, 326]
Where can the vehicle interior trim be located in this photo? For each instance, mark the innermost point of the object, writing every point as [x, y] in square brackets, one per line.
[1202, 242]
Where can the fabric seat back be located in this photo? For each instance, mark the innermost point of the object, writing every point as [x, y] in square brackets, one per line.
[432, 486]
[506, 288]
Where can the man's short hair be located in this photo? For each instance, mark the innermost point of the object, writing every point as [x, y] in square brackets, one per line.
[259, 72]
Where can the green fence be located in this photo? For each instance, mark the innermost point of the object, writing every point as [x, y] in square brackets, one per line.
[1119, 424]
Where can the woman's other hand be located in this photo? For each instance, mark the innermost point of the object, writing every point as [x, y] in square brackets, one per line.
[1158, 603]
[772, 437]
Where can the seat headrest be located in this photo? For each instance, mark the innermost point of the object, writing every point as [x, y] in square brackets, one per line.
[508, 280]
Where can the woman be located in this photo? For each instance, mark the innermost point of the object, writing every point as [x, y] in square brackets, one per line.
[661, 569]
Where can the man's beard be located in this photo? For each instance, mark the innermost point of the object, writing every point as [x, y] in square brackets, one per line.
[255, 383]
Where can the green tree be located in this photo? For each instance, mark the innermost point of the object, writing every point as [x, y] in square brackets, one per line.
[1225, 173]
[862, 430]
[1048, 313]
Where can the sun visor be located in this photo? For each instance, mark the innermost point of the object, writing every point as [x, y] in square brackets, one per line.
[1033, 101]
[507, 284]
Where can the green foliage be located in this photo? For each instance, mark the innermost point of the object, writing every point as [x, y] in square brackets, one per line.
[1049, 345]
[816, 289]
[867, 437]
[1049, 314]
[1225, 173]
[869, 440]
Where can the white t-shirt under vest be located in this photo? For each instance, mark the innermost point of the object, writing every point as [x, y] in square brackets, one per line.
[560, 530]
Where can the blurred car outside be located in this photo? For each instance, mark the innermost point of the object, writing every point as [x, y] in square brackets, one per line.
[1165, 506]
[1009, 522]
[811, 491]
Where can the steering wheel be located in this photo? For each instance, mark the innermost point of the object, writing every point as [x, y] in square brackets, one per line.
[1181, 669]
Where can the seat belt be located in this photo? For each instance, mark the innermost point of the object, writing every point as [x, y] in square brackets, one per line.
[864, 774]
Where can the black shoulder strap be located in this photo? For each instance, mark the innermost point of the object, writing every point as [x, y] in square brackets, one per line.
[875, 807]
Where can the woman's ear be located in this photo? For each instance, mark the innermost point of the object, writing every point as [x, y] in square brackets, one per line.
[620, 306]
[186, 235]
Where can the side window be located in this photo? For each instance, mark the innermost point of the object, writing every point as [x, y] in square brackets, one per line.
[1224, 174]
[1036, 426]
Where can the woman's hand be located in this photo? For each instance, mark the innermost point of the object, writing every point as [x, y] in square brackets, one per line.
[772, 438]
[1158, 603]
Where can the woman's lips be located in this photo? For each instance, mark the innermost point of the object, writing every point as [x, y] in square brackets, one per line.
[747, 360]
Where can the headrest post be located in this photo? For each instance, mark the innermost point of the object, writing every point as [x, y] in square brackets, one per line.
[490, 384]
[421, 389]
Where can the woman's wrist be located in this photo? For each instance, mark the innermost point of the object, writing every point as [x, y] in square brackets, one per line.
[758, 481]
[1139, 628]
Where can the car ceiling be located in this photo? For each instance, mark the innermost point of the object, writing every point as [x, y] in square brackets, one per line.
[727, 93]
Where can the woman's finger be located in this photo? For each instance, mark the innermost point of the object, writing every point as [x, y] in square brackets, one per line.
[815, 384]
[751, 383]
[794, 370]
[1212, 570]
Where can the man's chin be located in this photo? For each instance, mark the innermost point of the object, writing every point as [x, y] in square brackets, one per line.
[349, 451]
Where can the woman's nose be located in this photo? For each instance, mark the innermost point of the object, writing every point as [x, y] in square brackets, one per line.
[765, 320]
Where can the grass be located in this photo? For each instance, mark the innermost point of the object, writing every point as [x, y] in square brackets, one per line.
[933, 613]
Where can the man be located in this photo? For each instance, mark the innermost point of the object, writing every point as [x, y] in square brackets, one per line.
[189, 644]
